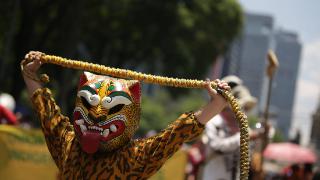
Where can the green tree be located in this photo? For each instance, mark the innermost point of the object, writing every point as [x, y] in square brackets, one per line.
[161, 109]
[174, 38]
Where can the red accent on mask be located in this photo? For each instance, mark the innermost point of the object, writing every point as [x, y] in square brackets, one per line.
[83, 80]
[90, 142]
[135, 90]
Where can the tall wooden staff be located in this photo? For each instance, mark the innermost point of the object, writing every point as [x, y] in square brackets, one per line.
[273, 65]
[271, 68]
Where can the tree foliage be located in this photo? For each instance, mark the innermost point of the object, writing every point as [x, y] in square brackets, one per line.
[160, 110]
[178, 38]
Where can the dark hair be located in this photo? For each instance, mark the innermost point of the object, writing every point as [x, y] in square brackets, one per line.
[308, 167]
[316, 175]
[232, 84]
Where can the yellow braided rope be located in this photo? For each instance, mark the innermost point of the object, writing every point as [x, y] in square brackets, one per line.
[165, 81]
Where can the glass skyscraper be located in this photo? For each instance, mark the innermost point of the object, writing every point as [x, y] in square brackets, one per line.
[246, 58]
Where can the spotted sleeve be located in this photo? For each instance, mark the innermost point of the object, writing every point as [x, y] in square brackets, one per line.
[154, 151]
[56, 127]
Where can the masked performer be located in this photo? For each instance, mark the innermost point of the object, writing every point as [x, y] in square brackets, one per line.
[98, 143]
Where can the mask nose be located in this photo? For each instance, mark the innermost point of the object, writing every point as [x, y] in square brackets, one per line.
[98, 114]
[97, 119]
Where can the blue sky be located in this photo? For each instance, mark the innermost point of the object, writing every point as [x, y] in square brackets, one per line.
[302, 17]
[296, 15]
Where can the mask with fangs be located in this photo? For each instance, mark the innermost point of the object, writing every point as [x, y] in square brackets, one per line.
[107, 112]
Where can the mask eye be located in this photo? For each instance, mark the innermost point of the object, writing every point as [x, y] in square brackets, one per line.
[116, 109]
[85, 103]
[111, 102]
[91, 99]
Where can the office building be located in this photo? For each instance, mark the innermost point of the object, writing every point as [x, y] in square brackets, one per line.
[246, 58]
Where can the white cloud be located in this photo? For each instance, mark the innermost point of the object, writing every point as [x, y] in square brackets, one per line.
[311, 61]
[308, 89]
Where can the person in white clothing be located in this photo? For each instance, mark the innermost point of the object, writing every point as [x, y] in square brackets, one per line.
[222, 137]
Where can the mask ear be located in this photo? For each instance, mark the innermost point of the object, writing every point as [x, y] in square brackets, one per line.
[135, 90]
[85, 77]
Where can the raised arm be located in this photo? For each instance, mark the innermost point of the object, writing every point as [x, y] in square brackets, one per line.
[55, 126]
[216, 104]
[30, 70]
[154, 151]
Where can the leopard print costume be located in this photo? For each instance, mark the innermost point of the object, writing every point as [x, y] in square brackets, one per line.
[138, 159]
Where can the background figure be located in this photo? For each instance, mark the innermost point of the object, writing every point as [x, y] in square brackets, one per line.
[293, 172]
[216, 155]
[7, 105]
[307, 171]
[316, 174]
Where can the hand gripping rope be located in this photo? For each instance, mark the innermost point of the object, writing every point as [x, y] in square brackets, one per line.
[160, 80]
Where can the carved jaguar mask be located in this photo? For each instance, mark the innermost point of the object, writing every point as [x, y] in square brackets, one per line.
[107, 112]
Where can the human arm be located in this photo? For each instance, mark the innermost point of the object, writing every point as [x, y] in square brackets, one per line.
[56, 127]
[30, 70]
[216, 104]
[154, 151]
[217, 138]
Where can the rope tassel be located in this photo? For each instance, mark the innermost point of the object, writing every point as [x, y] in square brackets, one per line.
[160, 80]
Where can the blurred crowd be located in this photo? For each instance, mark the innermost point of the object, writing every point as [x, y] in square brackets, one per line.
[12, 113]
[216, 154]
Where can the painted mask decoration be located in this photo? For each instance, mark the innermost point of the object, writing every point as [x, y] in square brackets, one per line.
[107, 112]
